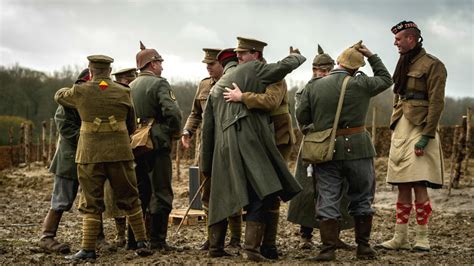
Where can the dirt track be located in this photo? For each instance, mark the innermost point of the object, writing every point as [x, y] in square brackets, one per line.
[25, 194]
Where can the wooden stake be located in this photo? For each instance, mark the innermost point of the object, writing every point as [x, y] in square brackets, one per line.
[27, 144]
[468, 141]
[191, 204]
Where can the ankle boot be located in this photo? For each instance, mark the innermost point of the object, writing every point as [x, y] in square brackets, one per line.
[269, 249]
[253, 239]
[217, 233]
[50, 227]
[363, 227]
[83, 255]
[399, 240]
[329, 230]
[422, 243]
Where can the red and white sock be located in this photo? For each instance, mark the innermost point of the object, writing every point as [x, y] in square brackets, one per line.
[403, 212]
[423, 212]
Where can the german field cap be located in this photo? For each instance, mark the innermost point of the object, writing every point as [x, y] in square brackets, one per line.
[323, 60]
[404, 25]
[126, 72]
[247, 44]
[351, 57]
[210, 55]
[226, 53]
[100, 61]
[146, 56]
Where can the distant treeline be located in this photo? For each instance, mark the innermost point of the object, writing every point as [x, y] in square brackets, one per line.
[28, 94]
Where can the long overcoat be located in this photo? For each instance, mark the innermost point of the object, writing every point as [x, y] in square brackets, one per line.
[238, 146]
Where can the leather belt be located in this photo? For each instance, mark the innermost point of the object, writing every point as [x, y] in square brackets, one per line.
[349, 131]
[414, 95]
[103, 127]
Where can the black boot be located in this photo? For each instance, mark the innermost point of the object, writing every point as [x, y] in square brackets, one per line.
[329, 231]
[143, 249]
[217, 238]
[363, 226]
[83, 255]
[159, 231]
[253, 240]
[341, 244]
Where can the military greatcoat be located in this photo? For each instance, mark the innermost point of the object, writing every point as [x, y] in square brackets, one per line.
[238, 147]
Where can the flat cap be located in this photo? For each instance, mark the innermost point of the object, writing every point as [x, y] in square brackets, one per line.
[100, 61]
[210, 55]
[125, 72]
[247, 44]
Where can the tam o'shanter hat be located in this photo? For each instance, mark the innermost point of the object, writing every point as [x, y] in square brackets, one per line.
[248, 44]
[404, 25]
[210, 55]
[100, 61]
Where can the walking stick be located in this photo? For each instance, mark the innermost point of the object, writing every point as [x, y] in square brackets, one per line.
[191, 203]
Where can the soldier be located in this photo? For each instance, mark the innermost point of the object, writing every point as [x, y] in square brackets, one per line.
[153, 99]
[416, 159]
[124, 77]
[239, 152]
[302, 208]
[104, 152]
[353, 150]
[64, 169]
[275, 101]
[215, 70]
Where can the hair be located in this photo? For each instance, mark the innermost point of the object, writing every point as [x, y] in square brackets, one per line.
[100, 71]
[260, 54]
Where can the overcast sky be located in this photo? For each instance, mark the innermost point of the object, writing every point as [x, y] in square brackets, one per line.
[47, 35]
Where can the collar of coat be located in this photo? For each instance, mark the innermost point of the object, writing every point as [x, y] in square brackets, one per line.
[419, 55]
[339, 71]
[146, 73]
[229, 65]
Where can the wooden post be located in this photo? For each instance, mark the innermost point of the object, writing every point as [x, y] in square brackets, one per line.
[374, 130]
[460, 154]
[21, 156]
[50, 142]
[178, 160]
[44, 153]
[454, 151]
[468, 141]
[38, 150]
[10, 143]
[197, 146]
[27, 144]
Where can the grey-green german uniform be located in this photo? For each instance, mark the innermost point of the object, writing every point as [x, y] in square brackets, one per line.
[353, 153]
[414, 114]
[302, 208]
[153, 98]
[243, 141]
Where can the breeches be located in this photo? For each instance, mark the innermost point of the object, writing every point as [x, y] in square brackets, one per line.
[121, 176]
[360, 176]
[64, 193]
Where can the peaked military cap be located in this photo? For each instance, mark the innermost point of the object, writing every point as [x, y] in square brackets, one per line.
[404, 25]
[351, 57]
[100, 61]
[226, 53]
[247, 44]
[210, 55]
[126, 72]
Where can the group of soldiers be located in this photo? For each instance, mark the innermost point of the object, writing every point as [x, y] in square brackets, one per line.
[243, 113]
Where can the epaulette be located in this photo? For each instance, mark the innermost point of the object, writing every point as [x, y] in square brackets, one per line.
[432, 57]
[205, 78]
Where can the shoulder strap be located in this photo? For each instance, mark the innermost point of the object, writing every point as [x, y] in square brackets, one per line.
[339, 105]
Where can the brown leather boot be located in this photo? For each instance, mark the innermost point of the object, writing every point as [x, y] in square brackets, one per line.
[253, 240]
[50, 227]
[329, 230]
[341, 244]
[363, 226]
[217, 238]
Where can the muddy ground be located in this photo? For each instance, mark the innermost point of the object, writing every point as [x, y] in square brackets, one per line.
[25, 195]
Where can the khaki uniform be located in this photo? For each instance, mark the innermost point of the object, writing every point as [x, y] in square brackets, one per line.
[103, 150]
[275, 101]
[415, 114]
